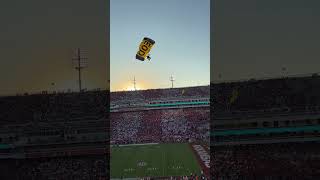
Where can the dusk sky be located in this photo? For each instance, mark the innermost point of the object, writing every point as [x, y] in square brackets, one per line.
[257, 38]
[181, 30]
[37, 39]
[250, 39]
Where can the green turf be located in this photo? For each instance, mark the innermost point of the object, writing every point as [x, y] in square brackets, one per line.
[160, 160]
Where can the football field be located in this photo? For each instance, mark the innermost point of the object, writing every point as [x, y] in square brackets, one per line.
[153, 160]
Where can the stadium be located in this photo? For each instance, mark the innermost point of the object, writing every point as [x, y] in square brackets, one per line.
[266, 129]
[259, 128]
[160, 133]
[59, 135]
[63, 135]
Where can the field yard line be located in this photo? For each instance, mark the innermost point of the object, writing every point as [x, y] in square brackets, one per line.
[123, 145]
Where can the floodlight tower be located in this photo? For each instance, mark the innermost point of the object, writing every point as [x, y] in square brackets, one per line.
[171, 79]
[80, 62]
[284, 71]
[134, 83]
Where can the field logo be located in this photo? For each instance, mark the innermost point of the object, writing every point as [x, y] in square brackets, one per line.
[129, 170]
[141, 164]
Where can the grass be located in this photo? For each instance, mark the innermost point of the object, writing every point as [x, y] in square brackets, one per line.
[157, 160]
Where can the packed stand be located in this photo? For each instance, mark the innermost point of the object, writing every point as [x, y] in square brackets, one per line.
[266, 161]
[167, 125]
[128, 97]
[52, 107]
[30, 113]
[289, 94]
[63, 168]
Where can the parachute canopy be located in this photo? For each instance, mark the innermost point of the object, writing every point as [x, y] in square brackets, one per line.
[144, 49]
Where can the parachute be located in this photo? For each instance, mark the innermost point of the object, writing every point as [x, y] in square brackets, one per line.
[144, 49]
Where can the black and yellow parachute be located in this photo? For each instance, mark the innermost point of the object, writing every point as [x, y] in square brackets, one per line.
[144, 49]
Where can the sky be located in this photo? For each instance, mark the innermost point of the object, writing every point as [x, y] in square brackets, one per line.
[257, 38]
[181, 30]
[249, 39]
[37, 39]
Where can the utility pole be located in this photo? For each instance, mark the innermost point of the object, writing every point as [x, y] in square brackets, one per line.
[80, 63]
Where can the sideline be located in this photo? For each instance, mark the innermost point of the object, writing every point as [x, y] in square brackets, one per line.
[203, 158]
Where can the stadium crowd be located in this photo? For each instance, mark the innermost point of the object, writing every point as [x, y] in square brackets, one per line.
[52, 107]
[271, 161]
[123, 97]
[61, 168]
[29, 113]
[289, 94]
[166, 125]
[37, 114]
[267, 161]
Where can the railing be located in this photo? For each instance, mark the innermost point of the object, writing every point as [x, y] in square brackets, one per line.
[265, 131]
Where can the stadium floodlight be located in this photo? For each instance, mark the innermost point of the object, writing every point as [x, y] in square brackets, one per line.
[172, 79]
[134, 83]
